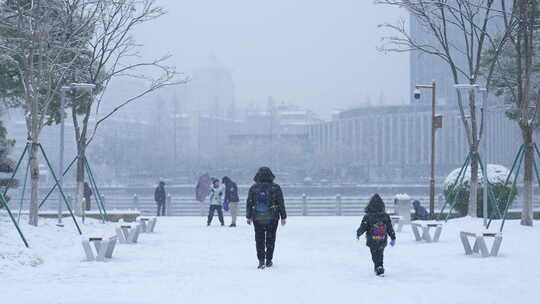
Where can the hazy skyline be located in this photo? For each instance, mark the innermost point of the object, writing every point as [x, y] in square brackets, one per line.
[319, 54]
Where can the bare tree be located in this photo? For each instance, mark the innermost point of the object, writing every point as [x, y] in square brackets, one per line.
[516, 77]
[111, 54]
[459, 32]
[35, 42]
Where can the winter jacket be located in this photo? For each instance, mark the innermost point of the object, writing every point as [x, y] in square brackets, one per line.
[217, 195]
[87, 191]
[231, 191]
[159, 194]
[277, 203]
[376, 224]
[420, 213]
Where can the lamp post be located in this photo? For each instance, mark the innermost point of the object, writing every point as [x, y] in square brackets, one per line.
[436, 123]
[63, 91]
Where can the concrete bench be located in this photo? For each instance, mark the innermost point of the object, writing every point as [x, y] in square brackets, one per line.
[128, 234]
[426, 231]
[104, 248]
[397, 220]
[480, 245]
[147, 224]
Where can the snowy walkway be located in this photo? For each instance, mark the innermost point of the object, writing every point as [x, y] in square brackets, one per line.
[317, 261]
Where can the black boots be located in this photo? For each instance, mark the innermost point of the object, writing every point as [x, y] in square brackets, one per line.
[263, 265]
[379, 271]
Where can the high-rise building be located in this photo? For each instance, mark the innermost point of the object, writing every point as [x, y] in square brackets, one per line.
[211, 90]
[425, 68]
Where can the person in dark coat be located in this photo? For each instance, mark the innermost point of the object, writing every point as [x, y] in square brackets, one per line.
[160, 197]
[377, 226]
[87, 193]
[265, 207]
[231, 198]
[420, 213]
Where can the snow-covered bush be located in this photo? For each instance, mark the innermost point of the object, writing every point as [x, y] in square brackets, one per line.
[497, 175]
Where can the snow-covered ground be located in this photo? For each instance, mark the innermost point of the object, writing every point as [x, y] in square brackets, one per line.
[317, 260]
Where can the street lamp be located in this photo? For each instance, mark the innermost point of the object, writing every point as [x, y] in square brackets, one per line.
[63, 91]
[436, 123]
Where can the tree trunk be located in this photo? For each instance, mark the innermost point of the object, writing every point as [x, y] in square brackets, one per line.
[34, 176]
[33, 127]
[527, 26]
[80, 179]
[473, 198]
[527, 208]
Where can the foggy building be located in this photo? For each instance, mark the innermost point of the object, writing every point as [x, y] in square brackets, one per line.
[120, 148]
[124, 152]
[283, 121]
[277, 137]
[424, 68]
[211, 90]
[212, 137]
[393, 143]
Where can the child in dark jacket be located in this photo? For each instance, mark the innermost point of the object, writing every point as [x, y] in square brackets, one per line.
[377, 226]
[420, 213]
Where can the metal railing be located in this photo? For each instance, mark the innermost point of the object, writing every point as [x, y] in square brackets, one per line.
[296, 205]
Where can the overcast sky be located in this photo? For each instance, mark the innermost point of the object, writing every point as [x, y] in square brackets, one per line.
[315, 53]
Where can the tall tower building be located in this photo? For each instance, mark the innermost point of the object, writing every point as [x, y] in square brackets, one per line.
[211, 90]
[424, 68]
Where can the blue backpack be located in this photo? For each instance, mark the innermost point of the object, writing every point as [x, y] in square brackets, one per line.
[263, 203]
[262, 197]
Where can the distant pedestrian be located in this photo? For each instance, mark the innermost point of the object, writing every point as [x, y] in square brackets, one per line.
[420, 213]
[265, 207]
[377, 226]
[87, 193]
[160, 197]
[203, 187]
[217, 193]
[231, 198]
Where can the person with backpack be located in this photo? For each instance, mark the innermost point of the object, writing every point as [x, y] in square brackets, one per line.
[231, 198]
[377, 226]
[420, 213]
[217, 192]
[160, 197]
[265, 207]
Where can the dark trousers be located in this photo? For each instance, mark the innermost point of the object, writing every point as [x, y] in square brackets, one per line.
[88, 202]
[211, 212]
[265, 239]
[160, 208]
[377, 255]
